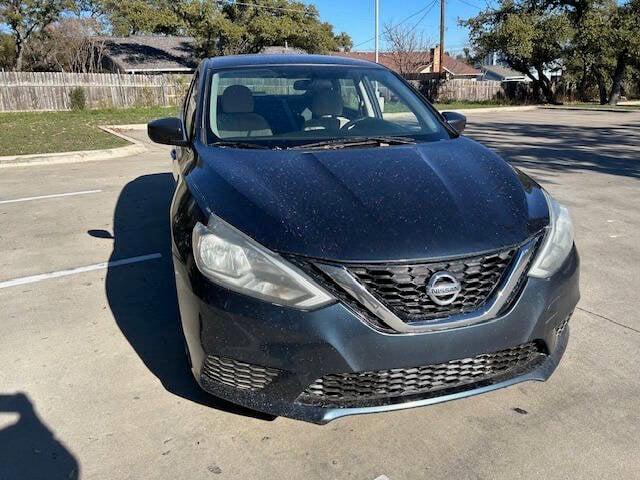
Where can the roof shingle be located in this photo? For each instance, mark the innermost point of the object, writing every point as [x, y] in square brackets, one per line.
[453, 65]
[150, 53]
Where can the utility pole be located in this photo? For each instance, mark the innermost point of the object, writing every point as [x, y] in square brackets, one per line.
[441, 53]
[377, 15]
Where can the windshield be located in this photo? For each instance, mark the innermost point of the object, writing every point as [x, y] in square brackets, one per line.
[289, 106]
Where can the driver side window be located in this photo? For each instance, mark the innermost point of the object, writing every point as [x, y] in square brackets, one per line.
[394, 109]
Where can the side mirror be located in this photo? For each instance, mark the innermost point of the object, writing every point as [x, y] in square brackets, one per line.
[456, 120]
[167, 131]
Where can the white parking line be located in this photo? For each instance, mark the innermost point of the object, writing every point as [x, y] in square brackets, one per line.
[73, 271]
[55, 195]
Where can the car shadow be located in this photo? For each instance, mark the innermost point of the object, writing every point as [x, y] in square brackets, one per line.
[142, 295]
[28, 448]
[556, 148]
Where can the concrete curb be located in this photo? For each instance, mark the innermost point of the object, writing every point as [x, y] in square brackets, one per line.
[131, 126]
[596, 109]
[465, 111]
[83, 155]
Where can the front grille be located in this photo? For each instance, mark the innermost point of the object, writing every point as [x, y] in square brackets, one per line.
[349, 389]
[234, 373]
[402, 287]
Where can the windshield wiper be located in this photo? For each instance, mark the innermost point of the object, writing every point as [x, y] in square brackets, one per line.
[357, 141]
[230, 143]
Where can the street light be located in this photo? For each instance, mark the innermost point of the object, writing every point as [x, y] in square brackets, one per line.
[377, 28]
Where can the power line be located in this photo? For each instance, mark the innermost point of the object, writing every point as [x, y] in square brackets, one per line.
[429, 8]
[266, 7]
[397, 24]
[471, 4]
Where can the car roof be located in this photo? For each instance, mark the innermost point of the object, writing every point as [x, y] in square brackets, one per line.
[292, 59]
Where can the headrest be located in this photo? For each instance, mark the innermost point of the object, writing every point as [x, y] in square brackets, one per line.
[237, 99]
[326, 102]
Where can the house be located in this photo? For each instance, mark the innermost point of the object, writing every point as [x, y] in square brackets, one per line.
[502, 74]
[148, 54]
[494, 67]
[418, 62]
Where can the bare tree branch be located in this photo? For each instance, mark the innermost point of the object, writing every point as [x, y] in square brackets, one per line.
[408, 49]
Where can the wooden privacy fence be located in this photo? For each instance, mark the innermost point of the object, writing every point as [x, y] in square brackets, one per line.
[465, 90]
[468, 90]
[21, 91]
[25, 91]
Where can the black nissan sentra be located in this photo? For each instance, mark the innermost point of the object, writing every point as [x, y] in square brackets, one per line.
[339, 247]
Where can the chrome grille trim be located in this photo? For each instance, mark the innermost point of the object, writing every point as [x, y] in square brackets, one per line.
[488, 311]
[403, 287]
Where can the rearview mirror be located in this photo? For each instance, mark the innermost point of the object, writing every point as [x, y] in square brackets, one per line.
[456, 120]
[302, 85]
[167, 131]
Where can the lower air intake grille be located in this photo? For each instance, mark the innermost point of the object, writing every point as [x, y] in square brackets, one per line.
[234, 373]
[357, 388]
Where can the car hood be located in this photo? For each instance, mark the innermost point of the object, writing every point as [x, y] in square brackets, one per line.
[429, 200]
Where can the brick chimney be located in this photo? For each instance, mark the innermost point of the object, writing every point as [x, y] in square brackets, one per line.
[435, 58]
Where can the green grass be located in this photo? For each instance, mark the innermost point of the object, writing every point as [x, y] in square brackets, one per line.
[47, 132]
[395, 107]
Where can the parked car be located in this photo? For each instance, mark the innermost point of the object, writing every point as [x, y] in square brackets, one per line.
[336, 254]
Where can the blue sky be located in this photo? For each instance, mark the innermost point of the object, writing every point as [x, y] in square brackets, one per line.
[356, 17]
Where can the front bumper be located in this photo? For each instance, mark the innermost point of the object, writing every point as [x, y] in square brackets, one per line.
[301, 347]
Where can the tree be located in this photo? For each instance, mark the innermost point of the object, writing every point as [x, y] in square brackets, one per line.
[597, 42]
[224, 28]
[71, 44]
[409, 50]
[134, 17]
[625, 35]
[344, 41]
[530, 37]
[466, 56]
[267, 23]
[7, 52]
[27, 17]
[252, 25]
[604, 47]
[213, 32]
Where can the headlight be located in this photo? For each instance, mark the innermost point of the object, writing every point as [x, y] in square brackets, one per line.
[557, 243]
[231, 259]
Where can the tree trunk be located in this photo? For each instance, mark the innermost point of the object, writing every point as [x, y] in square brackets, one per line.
[19, 49]
[535, 84]
[582, 85]
[547, 88]
[602, 87]
[618, 76]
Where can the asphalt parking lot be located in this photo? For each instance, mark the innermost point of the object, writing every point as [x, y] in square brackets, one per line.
[94, 383]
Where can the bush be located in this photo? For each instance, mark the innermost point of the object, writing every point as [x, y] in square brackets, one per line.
[147, 97]
[78, 99]
[7, 52]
